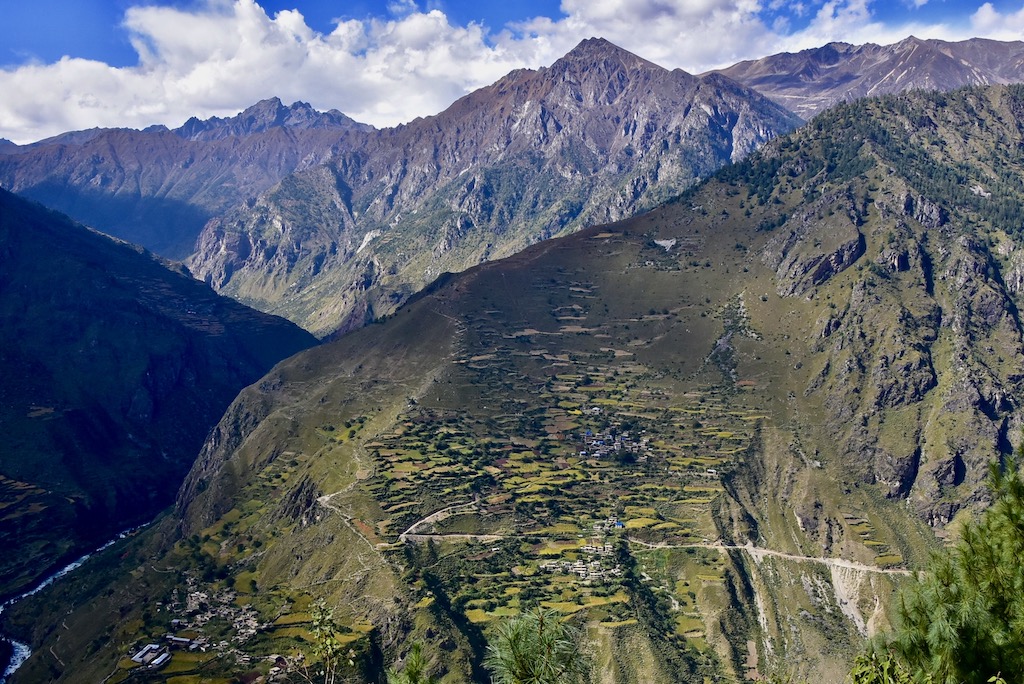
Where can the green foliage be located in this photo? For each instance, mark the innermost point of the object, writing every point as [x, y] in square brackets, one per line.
[880, 668]
[535, 648]
[329, 656]
[415, 670]
[963, 619]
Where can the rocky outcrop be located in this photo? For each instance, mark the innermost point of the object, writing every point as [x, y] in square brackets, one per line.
[807, 252]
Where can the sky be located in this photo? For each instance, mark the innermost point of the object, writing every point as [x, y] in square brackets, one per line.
[77, 64]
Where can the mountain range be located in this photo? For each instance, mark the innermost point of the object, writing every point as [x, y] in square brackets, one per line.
[116, 365]
[716, 434]
[810, 81]
[598, 136]
[158, 187]
[277, 204]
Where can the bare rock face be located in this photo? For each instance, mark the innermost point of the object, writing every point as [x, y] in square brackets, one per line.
[925, 211]
[808, 251]
[599, 135]
[1015, 273]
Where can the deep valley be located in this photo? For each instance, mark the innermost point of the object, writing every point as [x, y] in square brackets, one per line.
[712, 426]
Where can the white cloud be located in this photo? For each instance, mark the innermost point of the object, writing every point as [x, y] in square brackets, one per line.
[989, 21]
[217, 60]
[224, 55]
[402, 8]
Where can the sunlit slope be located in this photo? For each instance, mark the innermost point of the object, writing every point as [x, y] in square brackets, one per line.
[714, 435]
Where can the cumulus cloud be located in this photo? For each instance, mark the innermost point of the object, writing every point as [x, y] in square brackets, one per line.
[989, 21]
[401, 8]
[222, 55]
[852, 21]
[691, 34]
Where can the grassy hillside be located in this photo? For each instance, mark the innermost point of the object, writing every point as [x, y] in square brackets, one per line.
[714, 436]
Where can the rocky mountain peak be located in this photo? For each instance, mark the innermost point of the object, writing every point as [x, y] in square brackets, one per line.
[828, 55]
[263, 116]
[272, 112]
[913, 42]
[594, 53]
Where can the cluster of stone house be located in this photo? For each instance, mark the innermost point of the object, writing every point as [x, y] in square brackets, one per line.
[592, 569]
[608, 444]
[611, 523]
[203, 608]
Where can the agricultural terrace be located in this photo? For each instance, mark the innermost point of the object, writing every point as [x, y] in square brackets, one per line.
[542, 453]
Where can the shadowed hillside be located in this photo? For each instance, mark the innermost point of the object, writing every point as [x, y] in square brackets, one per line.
[115, 367]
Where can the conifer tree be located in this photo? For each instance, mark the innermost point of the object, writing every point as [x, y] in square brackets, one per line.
[535, 648]
[415, 670]
[962, 620]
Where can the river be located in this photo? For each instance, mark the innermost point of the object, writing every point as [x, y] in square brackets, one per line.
[21, 652]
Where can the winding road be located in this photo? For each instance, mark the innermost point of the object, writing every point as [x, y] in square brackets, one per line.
[757, 553]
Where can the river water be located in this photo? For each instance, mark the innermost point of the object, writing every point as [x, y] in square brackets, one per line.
[21, 651]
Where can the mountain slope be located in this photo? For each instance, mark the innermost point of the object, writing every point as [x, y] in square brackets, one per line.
[811, 81]
[716, 434]
[115, 367]
[158, 187]
[599, 135]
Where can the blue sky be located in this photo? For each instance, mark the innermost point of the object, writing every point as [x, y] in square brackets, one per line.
[47, 30]
[72, 64]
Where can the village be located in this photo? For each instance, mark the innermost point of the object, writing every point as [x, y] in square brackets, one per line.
[596, 567]
[609, 443]
[199, 610]
[569, 460]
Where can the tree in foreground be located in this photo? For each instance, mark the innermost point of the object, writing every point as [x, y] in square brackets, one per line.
[962, 620]
[329, 657]
[535, 648]
[415, 670]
